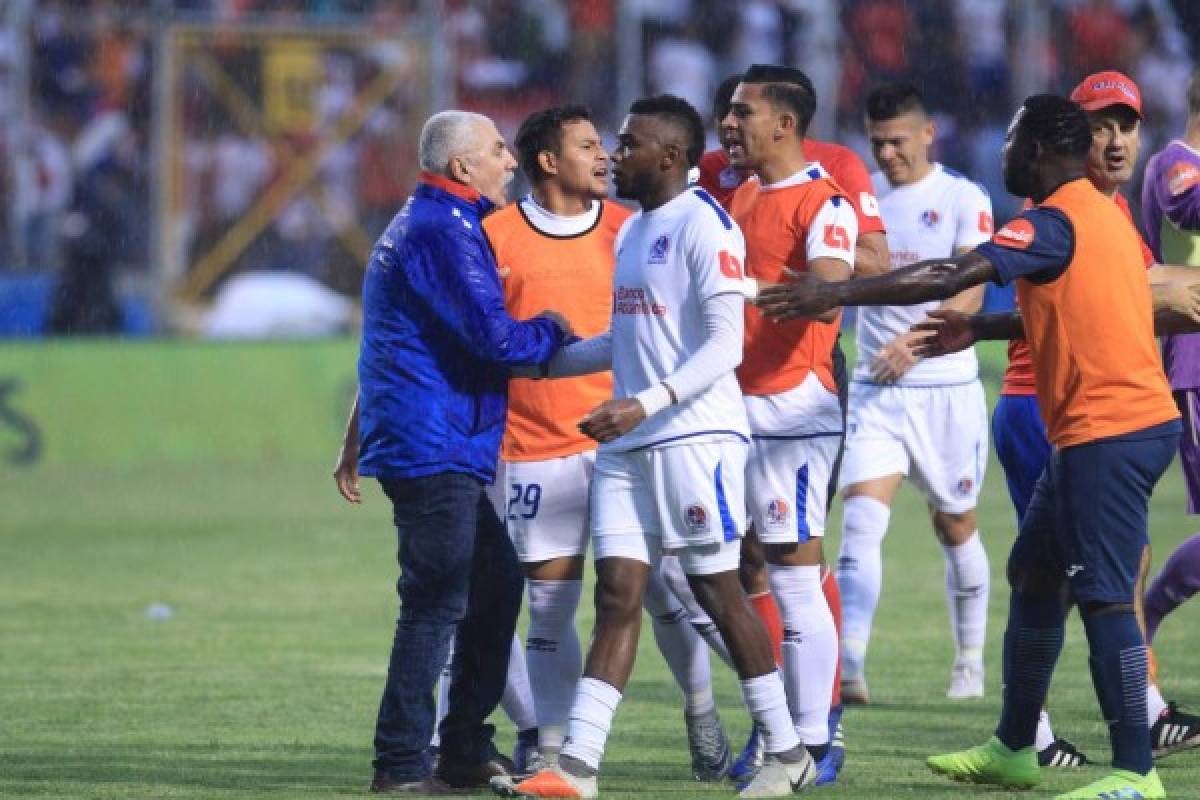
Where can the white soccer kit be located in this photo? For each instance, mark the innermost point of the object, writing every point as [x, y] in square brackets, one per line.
[676, 482]
[932, 423]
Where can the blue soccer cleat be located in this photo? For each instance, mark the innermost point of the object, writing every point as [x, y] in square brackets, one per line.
[750, 760]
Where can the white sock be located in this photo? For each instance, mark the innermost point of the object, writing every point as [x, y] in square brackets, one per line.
[682, 648]
[553, 655]
[810, 648]
[441, 700]
[860, 577]
[676, 580]
[1155, 704]
[766, 701]
[517, 699]
[1045, 734]
[590, 720]
[968, 584]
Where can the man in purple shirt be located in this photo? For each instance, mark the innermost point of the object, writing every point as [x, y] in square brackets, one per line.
[1171, 215]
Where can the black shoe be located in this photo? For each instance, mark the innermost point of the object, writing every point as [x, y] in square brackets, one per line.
[470, 776]
[1061, 753]
[382, 783]
[1173, 731]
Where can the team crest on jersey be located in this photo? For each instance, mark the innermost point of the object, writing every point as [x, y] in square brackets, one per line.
[777, 511]
[930, 218]
[729, 178]
[696, 516]
[658, 250]
[965, 486]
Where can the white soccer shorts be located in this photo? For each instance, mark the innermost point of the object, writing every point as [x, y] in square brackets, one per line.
[937, 436]
[687, 500]
[545, 505]
[797, 434]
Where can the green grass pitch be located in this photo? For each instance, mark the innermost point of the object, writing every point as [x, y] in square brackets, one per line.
[196, 476]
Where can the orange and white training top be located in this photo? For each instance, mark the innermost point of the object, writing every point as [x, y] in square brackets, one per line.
[789, 224]
[565, 264]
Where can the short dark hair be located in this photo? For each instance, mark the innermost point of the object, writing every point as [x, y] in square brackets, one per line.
[893, 100]
[1193, 93]
[722, 99]
[1059, 125]
[787, 88]
[680, 113]
[543, 130]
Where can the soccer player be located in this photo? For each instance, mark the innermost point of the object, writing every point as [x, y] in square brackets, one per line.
[1113, 104]
[922, 418]
[670, 469]
[721, 179]
[1171, 214]
[793, 216]
[557, 243]
[1086, 307]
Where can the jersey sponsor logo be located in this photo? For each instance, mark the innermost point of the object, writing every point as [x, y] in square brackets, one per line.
[696, 516]
[777, 511]
[633, 300]
[1074, 570]
[658, 250]
[1016, 235]
[729, 178]
[965, 485]
[868, 205]
[837, 237]
[730, 266]
[986, 223]
[1182, 177]
[930, 218]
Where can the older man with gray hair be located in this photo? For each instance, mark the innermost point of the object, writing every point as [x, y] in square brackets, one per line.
[437, 347]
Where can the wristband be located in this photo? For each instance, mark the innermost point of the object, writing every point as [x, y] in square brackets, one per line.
[654, 399]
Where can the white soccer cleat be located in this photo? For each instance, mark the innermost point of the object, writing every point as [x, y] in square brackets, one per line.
[966, 681]
[780, 779]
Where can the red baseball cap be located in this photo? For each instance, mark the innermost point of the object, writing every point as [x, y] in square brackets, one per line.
[1110, 88]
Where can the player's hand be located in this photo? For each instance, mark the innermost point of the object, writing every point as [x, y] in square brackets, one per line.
[1184, 299]
[943, 332]
[612, 419]
[558, 319]
[803, 296]
[895, 358]
[345, 473]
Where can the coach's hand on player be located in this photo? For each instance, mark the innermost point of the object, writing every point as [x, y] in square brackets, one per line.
[612, 419]
[558, 319]
[943, 331]
[803, 296]
[895, 358]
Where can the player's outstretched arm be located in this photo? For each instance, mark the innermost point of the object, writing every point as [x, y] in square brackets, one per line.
[345, 471]
[949, 331]
[582, 357]
[936, 279]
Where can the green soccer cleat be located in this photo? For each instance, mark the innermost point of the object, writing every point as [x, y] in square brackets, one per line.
[990, 763]
[1121, 785]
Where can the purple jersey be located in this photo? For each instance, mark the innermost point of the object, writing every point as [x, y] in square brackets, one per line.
[1171, 215]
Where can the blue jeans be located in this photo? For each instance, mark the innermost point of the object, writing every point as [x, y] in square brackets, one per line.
[459, 577]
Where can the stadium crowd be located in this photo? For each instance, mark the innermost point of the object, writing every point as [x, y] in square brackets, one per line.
[92, 102]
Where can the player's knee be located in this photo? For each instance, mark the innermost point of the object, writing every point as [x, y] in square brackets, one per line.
[1095, 608]
[953, 528]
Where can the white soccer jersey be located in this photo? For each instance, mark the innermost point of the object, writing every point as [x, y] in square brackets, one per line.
[932, 218]
[669, 261]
